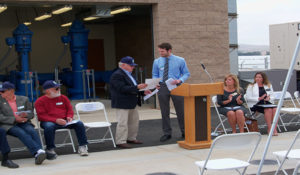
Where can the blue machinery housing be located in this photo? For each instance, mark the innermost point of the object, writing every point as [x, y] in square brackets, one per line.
[77, 80]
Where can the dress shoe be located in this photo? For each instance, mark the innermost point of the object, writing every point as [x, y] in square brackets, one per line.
[124, 146]
[9, 164]
[134, 142]
[165, 138]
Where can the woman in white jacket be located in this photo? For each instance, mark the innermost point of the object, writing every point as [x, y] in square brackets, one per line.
[261, 92]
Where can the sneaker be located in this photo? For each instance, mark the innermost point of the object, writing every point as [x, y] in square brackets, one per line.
[51, 154]
[40, 156]
[83, 150]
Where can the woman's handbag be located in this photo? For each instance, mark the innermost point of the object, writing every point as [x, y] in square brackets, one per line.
[251, 124]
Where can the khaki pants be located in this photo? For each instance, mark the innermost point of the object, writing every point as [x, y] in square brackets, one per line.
[128, 125]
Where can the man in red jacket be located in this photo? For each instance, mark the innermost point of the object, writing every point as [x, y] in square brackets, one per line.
[55, 111]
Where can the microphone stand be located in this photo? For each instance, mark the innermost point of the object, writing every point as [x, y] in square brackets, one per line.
[208, 74]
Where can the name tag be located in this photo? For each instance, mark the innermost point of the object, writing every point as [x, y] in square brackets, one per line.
[21, 107]
[59, 103]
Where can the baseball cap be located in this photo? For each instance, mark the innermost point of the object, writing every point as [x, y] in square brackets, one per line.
[128, 60]
[6, 85]
[50, 84]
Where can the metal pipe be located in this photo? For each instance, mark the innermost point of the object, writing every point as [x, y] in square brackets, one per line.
[286, 85]
[83, 85]
[94, 87]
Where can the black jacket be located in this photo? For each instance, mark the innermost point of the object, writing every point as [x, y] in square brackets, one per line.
[124, 94]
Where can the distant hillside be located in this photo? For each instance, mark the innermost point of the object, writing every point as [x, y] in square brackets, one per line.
[246, 49]
[253, 48]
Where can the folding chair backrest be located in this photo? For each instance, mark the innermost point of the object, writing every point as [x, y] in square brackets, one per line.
[234, 141]
[246, 101]
[90, 107]
[287, 95]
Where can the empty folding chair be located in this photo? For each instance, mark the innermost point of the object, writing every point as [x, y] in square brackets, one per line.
[237, 142]
[282, 156]
[288, 110]
[66, 130]
[102, 122]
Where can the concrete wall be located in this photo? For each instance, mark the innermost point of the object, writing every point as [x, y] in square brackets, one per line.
[283, 39]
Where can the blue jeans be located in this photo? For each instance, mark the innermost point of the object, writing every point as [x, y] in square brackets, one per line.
[27, 134]
[4, 147]
[49, 132]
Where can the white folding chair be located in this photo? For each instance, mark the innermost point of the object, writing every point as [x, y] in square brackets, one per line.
[281, 156]
[296, 169]
[64, 143]
[240, 141]
[288, 110]
[296, 95]
[222, 119]
[94, 107]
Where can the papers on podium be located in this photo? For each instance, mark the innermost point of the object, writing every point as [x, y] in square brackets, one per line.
[71, 122]
[152, 83]
[150, 95]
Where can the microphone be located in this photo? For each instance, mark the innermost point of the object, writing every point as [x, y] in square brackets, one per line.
[208, 74]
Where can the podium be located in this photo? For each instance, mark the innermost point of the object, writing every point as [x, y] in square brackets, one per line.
[197, 120]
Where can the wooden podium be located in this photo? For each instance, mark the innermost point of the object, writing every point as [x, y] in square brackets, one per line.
[197, 120]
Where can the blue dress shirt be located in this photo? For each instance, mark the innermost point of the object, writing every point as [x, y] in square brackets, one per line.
[130, 76]
[177, 68]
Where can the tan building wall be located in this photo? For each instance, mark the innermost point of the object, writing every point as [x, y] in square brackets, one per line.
[197, 29]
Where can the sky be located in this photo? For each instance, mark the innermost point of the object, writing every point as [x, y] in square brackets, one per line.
[255, 16]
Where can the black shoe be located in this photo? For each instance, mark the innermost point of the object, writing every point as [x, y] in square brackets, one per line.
[9, 164]
[165, 138]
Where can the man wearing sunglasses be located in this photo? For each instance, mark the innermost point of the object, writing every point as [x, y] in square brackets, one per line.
[55, 111]
[15, 115]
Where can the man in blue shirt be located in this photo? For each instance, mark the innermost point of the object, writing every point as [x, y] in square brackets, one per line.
[165, 67]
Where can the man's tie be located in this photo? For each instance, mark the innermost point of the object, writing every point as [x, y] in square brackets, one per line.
[166, 70]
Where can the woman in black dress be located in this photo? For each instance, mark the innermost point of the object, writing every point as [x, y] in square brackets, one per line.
[231, 103]
[260, 92]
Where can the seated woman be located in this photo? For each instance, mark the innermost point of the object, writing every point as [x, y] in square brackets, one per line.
[231, 103]
[261, 92]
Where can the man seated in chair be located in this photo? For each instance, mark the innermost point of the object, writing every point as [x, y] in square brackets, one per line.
[15, 115]
[54, 111]
[5, 149]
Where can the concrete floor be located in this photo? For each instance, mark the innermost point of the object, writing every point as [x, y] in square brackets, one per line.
[146, 160]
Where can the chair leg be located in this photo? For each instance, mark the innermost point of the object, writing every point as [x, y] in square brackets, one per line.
[282, 123]
[280, 164]
[70, 135]
[112, 138]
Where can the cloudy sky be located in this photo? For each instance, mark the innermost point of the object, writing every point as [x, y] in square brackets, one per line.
[255, 16]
